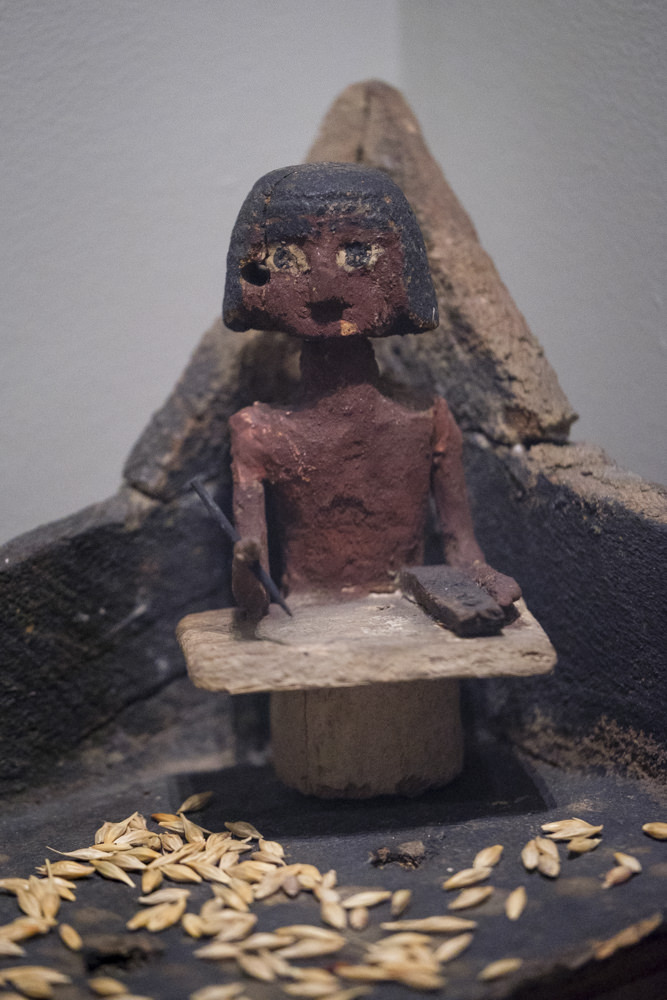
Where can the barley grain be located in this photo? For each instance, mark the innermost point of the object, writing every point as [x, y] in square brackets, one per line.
[515, 903]
[308, 931]
[548, 847]
[370, 897]
[171, 841]
[128, 862]
[9, 949]
[468, 898]
[209, 872]
[400, 901]
[358, 918]
[440, 924]
[530, 856]
[168, 895]
[105, 986]
[256, 966]
[228, 991]
[107, 869]
[193, 833]
[25, 927]
[548, 861]
[218, 992]
[364, 973]
[161, 818]
[32, 986]
[503, 967]
[404, 939]
[271, 883]
[451, 949]
[488, 857]
[218, 951]
[12, 885]
[29, 903]
[656, 830]
[84, 854]
[196, 802]
[350, 993]
[332, 913]
[414, 976]
[176, 872]
[229, 897]
[616, 876]
[281, 968]
[310, 989]
[291, 886]
[325, 895]
[243, 889]
[312, 948]
[70, 937]
[252, 871]
[567, 829]
[313, 973]
[628, 936]
[548, 866]
[234, 926]
[582, 845]
[628, 861]
[241, 829]
[270, 859]
[193, 925]
[265, 940]
[466, 877]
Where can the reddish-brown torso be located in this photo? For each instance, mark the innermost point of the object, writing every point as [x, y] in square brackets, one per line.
[349, 476]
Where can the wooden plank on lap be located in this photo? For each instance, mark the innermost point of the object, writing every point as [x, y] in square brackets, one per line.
[381, 638]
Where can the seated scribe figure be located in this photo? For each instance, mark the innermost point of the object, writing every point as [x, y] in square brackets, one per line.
[332, 253]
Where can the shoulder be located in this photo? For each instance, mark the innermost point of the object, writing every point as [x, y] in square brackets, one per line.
[255, 433]
[252, 418]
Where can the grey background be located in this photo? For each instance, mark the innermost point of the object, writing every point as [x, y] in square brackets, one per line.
[131, 132]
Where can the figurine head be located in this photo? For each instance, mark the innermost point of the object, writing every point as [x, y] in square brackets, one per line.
[328, 250]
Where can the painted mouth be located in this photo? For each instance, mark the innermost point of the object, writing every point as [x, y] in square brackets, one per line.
[328, 310]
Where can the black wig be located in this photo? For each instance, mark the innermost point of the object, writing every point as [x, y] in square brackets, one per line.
[279, 205]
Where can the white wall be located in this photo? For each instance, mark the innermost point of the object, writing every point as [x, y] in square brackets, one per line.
[131, 132]
[549, 118]
[132, 129]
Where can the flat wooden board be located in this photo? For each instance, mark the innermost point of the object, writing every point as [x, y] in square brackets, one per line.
[380, 638]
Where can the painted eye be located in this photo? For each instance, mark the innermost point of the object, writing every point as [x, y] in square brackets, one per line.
[288, 258]
[282, 258]
[358, 254]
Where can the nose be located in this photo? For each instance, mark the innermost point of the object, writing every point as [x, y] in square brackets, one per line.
[325, 280]
[327, 302]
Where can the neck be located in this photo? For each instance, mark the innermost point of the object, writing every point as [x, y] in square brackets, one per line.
[331, 364]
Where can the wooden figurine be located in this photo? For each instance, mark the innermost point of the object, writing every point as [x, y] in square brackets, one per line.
[332, 253]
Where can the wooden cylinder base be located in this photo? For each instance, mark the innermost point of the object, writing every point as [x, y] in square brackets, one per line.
[379, 739]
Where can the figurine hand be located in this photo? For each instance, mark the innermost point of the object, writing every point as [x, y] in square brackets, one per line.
[503, 589]
[249, 593]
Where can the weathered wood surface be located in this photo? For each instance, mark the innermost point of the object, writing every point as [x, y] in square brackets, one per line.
[359, 742]
[502, 797]
[588, 541]
[88, 607]
[380, 638]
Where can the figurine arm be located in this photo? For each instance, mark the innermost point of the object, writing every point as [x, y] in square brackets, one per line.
[451, 501]
[248, 473]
